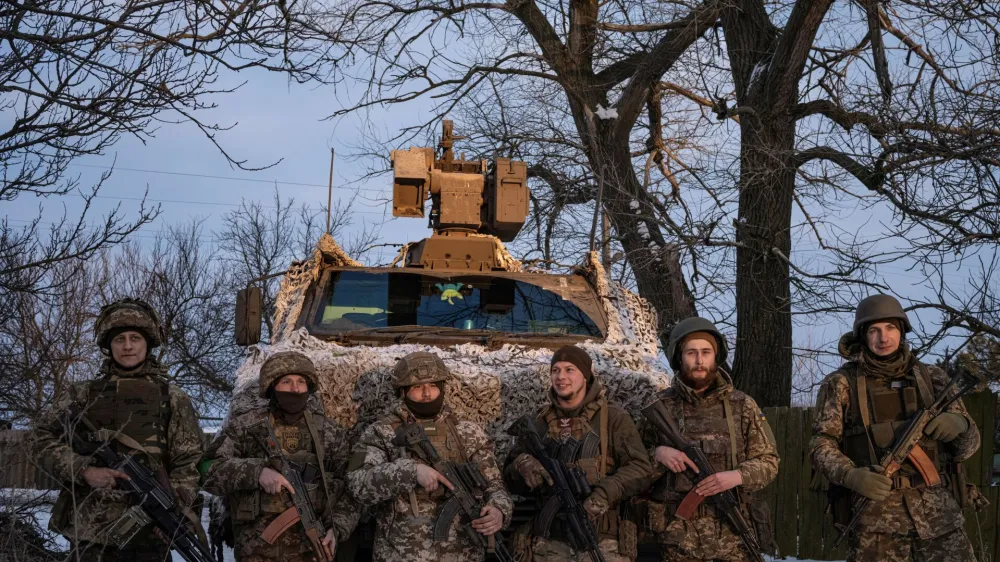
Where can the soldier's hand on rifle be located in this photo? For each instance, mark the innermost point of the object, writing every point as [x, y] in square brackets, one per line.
[871, 485]
[428, 478]
[674, 459]
[490, 522]
[97, 477]
[946, 426]
[330, 543]
[719, 482]
[532, 471]
[596, 503]
[272, 481]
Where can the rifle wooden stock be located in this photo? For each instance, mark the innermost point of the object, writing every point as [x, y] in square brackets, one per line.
[918, 457]
[689, 505]
[281, 523]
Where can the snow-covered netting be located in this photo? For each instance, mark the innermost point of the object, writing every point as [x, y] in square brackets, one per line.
[492, 387]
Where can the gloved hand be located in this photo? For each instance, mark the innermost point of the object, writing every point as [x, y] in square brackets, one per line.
[946, 426]
[871, 485]
[596, 503]
[532, 471]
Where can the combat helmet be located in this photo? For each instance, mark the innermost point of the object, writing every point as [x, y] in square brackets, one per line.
[286, 363]
[880, 307]
[127, 313]
[418, 368]
[687, 327]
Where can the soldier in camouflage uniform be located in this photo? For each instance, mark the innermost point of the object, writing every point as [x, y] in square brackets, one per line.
[616, 469]
[131, 397]
[243, 473]
[405, 492]
[735, 437]
[908, 520]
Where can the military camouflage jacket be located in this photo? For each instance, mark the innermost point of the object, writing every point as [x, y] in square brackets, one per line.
[385, 476]
[239, 460]
[702, 419]
[931, 512]
[96, 509]
[628, 468]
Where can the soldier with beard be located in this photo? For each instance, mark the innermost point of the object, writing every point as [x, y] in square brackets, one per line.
[736, 439]
[859, 409]
[618, 469]
[405, 492]
[131, 399]
[242, 471]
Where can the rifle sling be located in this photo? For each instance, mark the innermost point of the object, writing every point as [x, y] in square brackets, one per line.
[861, 397]
[318, 443]
[727, 409]
[923, 380]
[602, 467]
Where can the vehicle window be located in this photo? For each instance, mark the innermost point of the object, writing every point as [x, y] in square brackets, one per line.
[358, 300]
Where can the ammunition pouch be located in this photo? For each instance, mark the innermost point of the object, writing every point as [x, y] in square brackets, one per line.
[522, 543]
[628, 540]
[126, 527]
[760, 518]
[245, 506]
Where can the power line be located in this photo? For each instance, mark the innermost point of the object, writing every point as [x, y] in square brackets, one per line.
[228, 178]
[190, 202]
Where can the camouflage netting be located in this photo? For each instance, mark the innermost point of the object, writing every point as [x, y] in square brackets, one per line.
[491, 387]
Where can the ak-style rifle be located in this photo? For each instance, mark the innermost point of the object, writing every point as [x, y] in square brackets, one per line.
[582, 533]
[153, 501]
[302, 510]
[907, 446]
[466, 497]
[726, 503]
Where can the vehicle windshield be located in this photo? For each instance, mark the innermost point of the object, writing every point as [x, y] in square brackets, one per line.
[359, 300]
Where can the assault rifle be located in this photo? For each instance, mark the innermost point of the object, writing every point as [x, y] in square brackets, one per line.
[726, 503]
[154, 501]
[302, 510]
[907, 446]
[467, 497]
[582, 533]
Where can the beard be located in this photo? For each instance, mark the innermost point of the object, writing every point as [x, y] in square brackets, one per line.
[700, 379]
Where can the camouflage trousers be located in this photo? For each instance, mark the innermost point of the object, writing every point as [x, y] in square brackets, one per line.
[547, 550]
[138, 551]
[887, 547]
[671, 553]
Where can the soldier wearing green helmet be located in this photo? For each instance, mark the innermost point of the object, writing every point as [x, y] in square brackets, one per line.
[130, 397]
[404, 492]
[859, 409]
[242, 472]
[736, 440]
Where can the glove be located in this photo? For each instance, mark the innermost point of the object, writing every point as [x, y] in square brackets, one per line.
[871, 485]
[532, 471]
[946, 427]
[596, 503]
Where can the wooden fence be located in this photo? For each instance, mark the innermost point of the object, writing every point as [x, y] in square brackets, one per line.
[803, 528]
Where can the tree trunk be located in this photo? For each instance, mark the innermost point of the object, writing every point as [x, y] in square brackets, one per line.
[763, 362]
[655, 262]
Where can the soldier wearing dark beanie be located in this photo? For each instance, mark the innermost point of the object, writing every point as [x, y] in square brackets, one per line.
[575, 355]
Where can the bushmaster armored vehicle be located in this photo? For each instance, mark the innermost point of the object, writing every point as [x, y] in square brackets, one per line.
[458, 293]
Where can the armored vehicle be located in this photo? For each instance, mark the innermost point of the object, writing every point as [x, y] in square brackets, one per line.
[458, 293]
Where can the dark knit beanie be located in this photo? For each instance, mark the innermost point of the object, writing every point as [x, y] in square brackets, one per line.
[576, 356]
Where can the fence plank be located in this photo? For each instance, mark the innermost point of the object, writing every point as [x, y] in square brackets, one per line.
[810, 511]
[790, 447]
[979, 467]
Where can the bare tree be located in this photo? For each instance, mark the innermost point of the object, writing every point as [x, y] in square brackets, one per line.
[834, 106]
[78, 75]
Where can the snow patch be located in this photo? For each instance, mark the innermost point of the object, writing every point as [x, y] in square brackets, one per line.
[602, 113]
